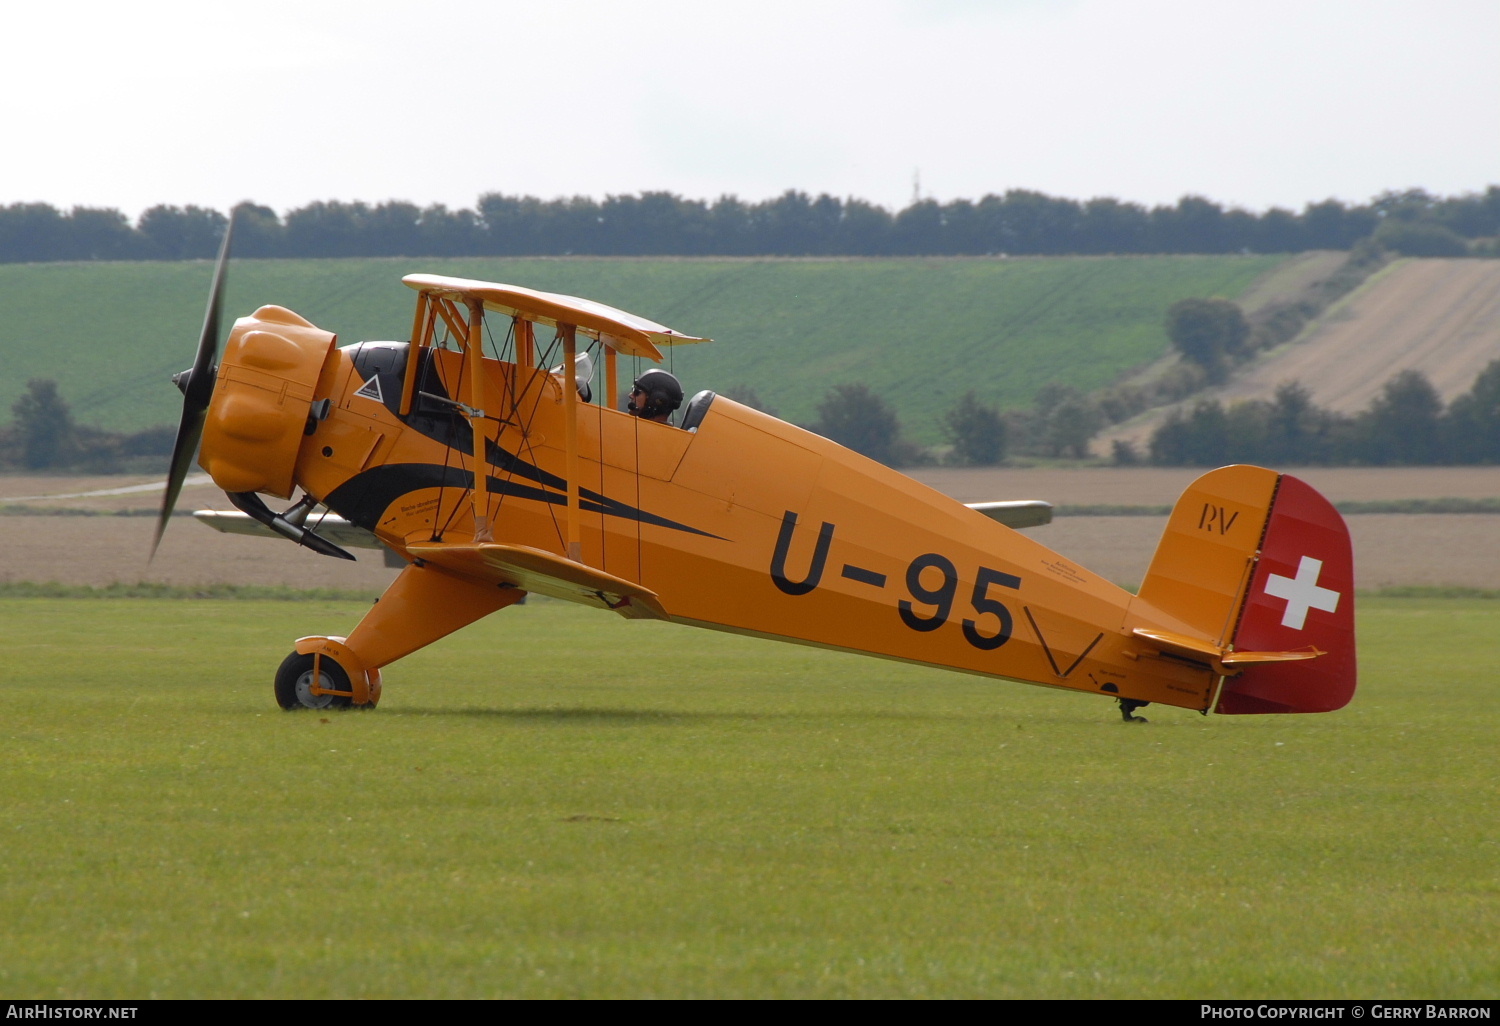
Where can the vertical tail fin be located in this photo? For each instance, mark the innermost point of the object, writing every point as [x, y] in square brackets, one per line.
[1256, 570]
[1203, 562]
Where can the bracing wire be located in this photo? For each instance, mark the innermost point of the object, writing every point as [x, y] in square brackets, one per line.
[546, 360]
[457, 389]
[500, 352]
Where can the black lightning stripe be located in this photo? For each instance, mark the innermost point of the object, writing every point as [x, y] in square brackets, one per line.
[364, 498]
[452, 431]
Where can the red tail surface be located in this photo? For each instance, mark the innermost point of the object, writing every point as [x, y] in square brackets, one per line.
[1301, 595]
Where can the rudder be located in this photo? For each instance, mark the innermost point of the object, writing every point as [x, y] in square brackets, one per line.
[1301, 595]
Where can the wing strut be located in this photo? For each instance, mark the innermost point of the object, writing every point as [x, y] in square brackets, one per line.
[525, 348]
[611, 378]
[482, 530]
[570, 414]
[419, 331]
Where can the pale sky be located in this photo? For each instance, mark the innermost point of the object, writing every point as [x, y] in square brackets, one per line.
[1248, 102]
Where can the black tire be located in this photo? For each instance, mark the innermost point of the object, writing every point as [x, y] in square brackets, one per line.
[294, 682]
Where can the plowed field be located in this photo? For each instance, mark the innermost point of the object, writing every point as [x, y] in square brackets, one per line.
[1461, 550]
[1440, 317]
[1389, 549]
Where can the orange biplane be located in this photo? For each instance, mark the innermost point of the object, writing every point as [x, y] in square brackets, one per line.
[492, 476]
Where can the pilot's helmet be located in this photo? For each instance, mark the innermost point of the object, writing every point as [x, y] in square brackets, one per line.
[662, 390]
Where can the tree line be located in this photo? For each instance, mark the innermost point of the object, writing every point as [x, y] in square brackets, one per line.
[43, 435]
[1406, 424]
[1412, 222]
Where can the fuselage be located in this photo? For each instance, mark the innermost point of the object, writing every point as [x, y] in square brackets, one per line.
[745, 524]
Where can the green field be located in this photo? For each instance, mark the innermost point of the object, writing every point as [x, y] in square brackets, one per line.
[920, 331]
[535, 811]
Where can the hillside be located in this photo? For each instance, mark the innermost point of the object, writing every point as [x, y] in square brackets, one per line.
[919, 331]
[1440, 317]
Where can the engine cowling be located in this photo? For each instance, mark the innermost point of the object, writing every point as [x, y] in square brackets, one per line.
[266, 384]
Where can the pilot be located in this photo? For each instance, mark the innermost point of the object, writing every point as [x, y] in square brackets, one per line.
[654, 395]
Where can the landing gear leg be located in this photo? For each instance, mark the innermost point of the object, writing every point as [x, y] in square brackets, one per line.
[421, 606]
[1128, 706]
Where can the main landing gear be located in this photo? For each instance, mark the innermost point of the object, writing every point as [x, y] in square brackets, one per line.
[317, 681]
[421, 606]
[1128, 706]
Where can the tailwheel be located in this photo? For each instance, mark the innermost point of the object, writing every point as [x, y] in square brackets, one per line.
[313, 682]
[1128, 706]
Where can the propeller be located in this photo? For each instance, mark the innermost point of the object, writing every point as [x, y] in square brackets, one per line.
[197, 387]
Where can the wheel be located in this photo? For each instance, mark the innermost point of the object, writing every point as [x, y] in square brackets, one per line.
[294, 682]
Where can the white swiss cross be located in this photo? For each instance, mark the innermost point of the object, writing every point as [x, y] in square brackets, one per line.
[1302, 593]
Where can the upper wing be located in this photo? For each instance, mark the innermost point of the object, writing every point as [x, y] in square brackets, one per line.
[626, 332]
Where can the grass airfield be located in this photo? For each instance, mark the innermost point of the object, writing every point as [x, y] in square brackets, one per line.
[536, 812]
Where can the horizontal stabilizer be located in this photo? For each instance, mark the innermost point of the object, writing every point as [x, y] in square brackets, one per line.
[1257, 658]
[1180, 644]
[1017, 513]
[542, 572]
[1222, 660]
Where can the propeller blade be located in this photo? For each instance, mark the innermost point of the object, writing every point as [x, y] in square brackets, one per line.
[197, 387]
